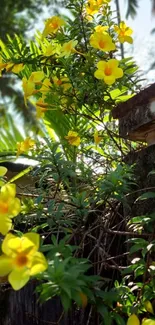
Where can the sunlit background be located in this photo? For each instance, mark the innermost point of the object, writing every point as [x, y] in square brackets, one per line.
[143, 48]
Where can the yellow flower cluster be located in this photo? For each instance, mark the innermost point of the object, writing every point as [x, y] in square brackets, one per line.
[21, 259]
[93, 6]
[29, 88]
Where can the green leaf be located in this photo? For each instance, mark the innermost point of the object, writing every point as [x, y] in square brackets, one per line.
[118, 319]
[66, 301]
[107, 320]
[147, 195]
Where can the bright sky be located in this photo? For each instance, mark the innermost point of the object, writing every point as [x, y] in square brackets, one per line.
[143, 48]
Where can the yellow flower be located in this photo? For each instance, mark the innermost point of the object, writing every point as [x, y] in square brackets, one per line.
[73, 138]
[133, 320]
[15, 68]
[9, 207]
[3, 171]
[108, 71]
[25, 145]
[52, 25]
[36, 76]
[63, 82]
[68, 48]
[97, 138]
[46, 85]
[102, 41]
[41, 107]
[21, 259]
[93, 6]
[51, 49]
[124, 33]
[29, 84]
[101, 29]
[10, 66]
[28, 87]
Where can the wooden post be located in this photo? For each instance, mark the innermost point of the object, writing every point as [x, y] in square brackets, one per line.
[137, 123]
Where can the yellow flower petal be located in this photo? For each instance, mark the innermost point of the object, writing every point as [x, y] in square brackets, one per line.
[127, 39]
[14, 243]
[5, 265]
[17, 68]
[14, 208]
[5, 248]
[101, 65]
[113, 63]
[39, 264]
[118, 73]
[46, 85]
[36, 76]
[109, 80]
[18, 279]
[68, 48]
[5, 225]
[100, 28]
[28, 87]
[98, 74]
[21, 245]
[8, 190]
[34, 238]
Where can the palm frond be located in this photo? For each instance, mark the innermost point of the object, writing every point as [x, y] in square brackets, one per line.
[132, 6]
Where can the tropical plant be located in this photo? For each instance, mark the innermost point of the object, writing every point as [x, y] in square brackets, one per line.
[72, 74]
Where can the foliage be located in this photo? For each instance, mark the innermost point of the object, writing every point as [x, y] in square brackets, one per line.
[80, 182]
[132, 6]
